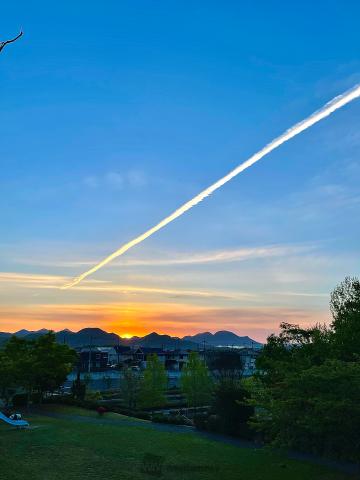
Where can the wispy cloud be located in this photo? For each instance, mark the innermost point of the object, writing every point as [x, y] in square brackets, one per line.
[29, 278]
[49, 282]
[117, 180]
[223, 256]
[193, 258]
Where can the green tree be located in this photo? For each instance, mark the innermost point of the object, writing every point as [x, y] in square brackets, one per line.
[196, 382]
[294, 348]
[153, 383]
[316, 410]
[307, 389]
[36, 365]
[129, 387]
[51, 363]
[7, 378]
[345, 308]
[231, 408]
[18, 355]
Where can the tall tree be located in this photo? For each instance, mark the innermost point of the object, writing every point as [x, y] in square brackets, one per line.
[307, 389]
[129, 387]
[231, 407]
[18, 353]
[52, 362]
[153, 383]
[7, 377]
[196, 381]
[345, 308]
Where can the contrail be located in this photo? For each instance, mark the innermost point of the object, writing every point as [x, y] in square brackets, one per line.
[324, 112]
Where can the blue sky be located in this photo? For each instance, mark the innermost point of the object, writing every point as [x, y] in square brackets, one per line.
[113, 115]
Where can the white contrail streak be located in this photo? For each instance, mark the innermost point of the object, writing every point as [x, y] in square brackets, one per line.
[324, 112]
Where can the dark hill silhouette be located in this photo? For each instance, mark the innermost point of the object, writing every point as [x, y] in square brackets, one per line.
[223, 338]
[163, 341]
[99, 337]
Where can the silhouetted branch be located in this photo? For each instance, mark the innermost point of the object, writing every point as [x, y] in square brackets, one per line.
[2, 44]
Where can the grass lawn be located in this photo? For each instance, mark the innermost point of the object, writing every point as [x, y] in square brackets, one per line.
[64, 449]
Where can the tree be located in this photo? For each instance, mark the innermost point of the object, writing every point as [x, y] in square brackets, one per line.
[196, 382]
[307, 388]
[294, 348]
[315, 410]
[36, 365]
[153, 383]
[52, 362]
[129, 388]
[18, 353]
[225, 364]
[345, 308]
[7, 378]
[231, 407]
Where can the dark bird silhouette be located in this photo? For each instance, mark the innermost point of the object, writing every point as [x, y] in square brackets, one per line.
[2, 44]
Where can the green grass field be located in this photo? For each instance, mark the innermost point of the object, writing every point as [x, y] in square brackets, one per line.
[86, 447]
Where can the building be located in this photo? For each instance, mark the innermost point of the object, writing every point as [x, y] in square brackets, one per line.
[94, 359]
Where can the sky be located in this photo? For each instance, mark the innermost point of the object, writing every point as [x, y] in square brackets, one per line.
[113, 115]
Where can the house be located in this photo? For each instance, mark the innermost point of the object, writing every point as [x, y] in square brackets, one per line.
[176, 359]
[141, 354]
[94, 359]
[123, 356]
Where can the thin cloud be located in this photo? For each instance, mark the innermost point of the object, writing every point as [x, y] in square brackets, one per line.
[117, 180]
[214, 256]
[50, 282]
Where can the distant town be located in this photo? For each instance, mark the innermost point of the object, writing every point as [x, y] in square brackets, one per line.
[105, 355]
